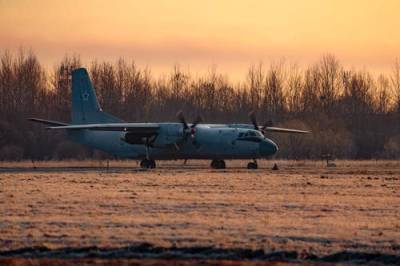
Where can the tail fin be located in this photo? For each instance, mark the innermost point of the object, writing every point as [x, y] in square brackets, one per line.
[85, 107]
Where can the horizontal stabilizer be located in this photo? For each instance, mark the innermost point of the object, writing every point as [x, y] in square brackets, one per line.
[285, 130]
[136, 127]
[47, 122]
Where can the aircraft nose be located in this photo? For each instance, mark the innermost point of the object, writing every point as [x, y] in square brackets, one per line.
[268, 147]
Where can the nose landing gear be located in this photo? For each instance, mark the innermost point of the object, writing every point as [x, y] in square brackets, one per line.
[252, 165]
[146, 164]
[218, 164]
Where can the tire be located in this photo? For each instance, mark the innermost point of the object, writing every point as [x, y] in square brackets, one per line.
[252, 165]
[218, 164]
[147, 164]
[143, 164]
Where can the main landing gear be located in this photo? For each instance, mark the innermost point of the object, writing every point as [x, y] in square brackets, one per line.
[252, 165]
[146, 164]
[218, 164]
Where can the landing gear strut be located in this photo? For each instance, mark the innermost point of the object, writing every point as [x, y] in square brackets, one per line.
[218, 164]
[145, 163]
[252, 165]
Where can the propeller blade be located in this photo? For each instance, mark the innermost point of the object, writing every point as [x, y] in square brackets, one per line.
[182, 119]
[198, 120]
[253, 119]
[286, 130]
[269, 123]
[186, 129]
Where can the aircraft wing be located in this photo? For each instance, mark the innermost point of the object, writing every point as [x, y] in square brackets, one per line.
[144, 128]
[286, 130]
[47, 122]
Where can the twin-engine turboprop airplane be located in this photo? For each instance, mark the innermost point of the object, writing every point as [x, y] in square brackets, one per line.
[161, 141]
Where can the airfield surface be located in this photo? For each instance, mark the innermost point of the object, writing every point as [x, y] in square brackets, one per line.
[304, 210]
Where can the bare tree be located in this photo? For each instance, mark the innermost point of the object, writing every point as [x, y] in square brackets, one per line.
[329, 71]
[382, 95]
[352, 114]
[395, 79]
[273, 97]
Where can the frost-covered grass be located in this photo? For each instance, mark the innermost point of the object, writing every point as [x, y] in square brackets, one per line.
[304, 206]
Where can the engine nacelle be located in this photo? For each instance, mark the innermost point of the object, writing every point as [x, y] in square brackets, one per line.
[133, 138]
[167, 136]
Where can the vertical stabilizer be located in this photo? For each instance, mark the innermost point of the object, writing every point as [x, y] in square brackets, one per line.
[85, 106]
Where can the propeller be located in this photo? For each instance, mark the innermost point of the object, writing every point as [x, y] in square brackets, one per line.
[182, 119]
[186, 129]
[253, 119]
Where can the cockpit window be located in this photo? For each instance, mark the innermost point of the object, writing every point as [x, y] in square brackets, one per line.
[250, 133]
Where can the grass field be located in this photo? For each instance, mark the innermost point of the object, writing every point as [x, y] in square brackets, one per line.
[305, 208]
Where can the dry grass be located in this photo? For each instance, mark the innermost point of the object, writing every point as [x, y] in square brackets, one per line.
[136, 262]
[303, 206]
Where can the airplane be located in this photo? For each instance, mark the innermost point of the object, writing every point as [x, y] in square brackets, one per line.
[93, 127]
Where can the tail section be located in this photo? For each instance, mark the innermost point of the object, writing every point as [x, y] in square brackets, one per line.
[85, 107]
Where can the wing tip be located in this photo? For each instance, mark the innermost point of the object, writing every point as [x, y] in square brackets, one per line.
[46, 122]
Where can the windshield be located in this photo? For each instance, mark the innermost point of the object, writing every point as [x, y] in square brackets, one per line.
[251, 133]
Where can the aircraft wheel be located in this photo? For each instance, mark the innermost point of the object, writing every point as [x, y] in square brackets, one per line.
[145, 164]
[218, 164]
[252, 165]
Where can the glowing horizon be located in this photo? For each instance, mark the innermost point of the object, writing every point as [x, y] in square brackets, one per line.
[229, 35]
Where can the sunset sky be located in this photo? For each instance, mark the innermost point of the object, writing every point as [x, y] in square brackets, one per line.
[230, 35]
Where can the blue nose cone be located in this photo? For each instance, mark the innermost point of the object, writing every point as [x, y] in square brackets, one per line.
[268, 148]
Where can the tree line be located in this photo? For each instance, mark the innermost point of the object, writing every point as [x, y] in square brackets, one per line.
[352, 113]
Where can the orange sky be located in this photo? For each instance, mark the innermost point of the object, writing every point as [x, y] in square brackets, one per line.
[229, 34]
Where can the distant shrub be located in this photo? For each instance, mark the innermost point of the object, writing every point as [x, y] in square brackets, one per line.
[392, 148]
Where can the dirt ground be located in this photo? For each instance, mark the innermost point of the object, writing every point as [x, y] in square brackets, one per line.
[305, 207]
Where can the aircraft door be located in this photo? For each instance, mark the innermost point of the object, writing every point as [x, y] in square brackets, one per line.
[227, 141]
